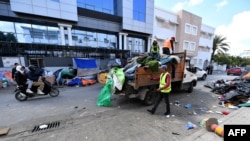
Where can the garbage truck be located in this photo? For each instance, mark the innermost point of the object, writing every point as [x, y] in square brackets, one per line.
[144, 88]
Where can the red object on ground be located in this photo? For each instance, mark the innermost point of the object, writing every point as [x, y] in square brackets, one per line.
[225, 112]
[213, 127]
[88, 82]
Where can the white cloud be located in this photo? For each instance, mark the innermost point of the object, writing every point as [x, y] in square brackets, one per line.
[237, 33]
[180, 5]
[221, 4]
[194, 2]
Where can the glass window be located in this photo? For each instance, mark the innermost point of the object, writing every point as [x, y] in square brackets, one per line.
[139, 10]
[194, 30]
[53, 35]
[187, 28]
[7, 27]
[136, 45]
[93, 39]
[105, 6]
[192, 46]
[185, 45]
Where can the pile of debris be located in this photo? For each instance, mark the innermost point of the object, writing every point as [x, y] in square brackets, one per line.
[235, 92]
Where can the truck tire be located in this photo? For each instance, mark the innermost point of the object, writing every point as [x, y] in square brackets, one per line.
[149, 98]
[191, 88]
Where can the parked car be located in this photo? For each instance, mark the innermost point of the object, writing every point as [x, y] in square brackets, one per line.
[234, 71]
[200, 73]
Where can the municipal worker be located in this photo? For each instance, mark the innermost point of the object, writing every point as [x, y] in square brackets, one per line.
[163, 92]
[155, 50]
[168, 46]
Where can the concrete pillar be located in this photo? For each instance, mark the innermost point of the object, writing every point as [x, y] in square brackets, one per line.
[120, 41]
[62, 34]
[125, 41]
[149, 44]
[69, 35]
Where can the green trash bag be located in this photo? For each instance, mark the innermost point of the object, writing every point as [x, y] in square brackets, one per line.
[104, 97]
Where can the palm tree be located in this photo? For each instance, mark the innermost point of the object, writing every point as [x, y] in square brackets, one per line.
[220, 46]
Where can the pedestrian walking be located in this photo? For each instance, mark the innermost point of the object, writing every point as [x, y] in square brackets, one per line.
[163, 92]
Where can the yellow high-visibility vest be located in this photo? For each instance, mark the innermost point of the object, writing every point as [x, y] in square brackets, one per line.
[163, 83]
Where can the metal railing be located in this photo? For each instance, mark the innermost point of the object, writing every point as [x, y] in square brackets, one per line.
[48, 50]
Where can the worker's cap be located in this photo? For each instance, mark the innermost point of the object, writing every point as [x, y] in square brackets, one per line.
[173, 38]
[165, 67]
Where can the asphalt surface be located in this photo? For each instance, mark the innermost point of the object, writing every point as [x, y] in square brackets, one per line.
[127, 119]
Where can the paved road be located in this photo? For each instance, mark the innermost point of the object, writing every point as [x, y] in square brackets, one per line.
[127, 119]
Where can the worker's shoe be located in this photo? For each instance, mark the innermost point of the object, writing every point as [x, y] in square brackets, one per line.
[166, 113]
[39, 91]
[29, 91]
[151, 111]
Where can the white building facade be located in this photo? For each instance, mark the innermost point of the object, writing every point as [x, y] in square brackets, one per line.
[189, 32]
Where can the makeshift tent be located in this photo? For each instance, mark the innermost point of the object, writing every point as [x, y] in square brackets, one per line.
[6, 76]
[65, 73]
[86, 66]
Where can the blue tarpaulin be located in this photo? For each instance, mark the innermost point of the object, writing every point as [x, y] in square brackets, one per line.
[86, 66]
[85, 63]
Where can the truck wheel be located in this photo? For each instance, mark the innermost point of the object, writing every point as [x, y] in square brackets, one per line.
[191, 88]
[149, 98]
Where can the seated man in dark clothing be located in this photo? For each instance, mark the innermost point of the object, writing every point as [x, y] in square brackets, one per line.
[14, 70]
[21, 78]
[35, 78]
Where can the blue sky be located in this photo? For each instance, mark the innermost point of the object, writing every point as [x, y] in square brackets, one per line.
[230, 18]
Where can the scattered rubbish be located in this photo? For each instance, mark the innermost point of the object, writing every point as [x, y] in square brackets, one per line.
[167, 116]
[175, 133]
[4, 131]
[177, 103]
[173, 115]
[194, 113]
[202, 123]
[233, 107]
[210, 111]
[188, 106]
[190, 125]
[43, 126]
[212, 126]
[218, 112]
[225, 112]
[76, 107]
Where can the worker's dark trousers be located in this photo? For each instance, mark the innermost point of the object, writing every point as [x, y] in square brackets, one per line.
[158, 100]
[166, 50]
